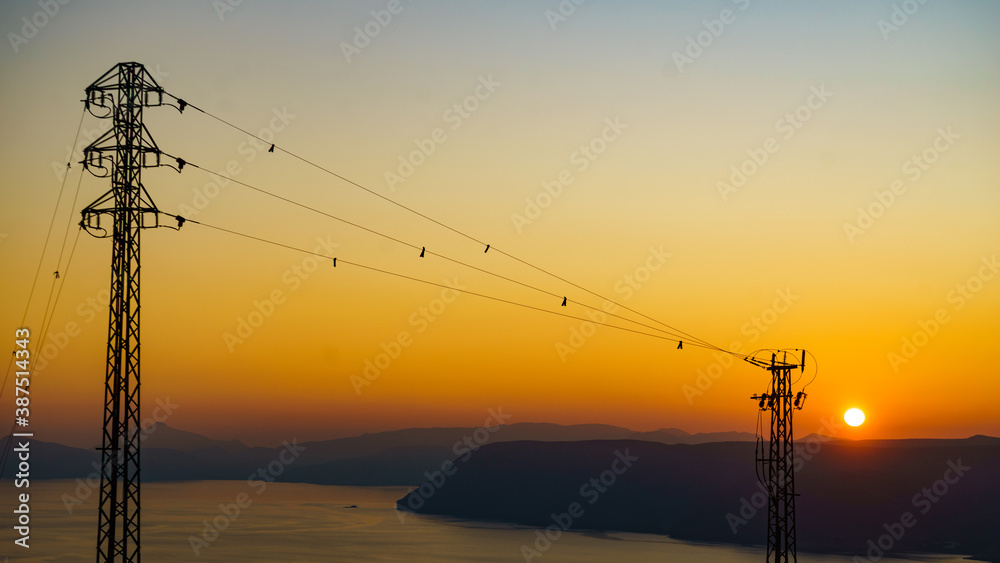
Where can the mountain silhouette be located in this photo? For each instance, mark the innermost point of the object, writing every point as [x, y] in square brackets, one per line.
[850, 492]
[397, 457]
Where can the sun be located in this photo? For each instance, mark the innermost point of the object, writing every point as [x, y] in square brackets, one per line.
[854, 417]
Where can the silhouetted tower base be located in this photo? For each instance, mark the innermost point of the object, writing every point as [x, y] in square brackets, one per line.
[779, 462]
[120, 214]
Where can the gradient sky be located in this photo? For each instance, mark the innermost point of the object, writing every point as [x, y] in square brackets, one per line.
[787, 247]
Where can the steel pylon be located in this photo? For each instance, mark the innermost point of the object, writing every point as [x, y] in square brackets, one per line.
[120, 214]
[778, 464]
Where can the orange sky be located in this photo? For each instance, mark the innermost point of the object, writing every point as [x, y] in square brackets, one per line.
[865, 215]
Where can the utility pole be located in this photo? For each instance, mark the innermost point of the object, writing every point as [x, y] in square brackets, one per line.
[120, 214]
[779, 463]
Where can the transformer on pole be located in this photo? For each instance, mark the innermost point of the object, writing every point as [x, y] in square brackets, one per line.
[120, 214]
[778, 465]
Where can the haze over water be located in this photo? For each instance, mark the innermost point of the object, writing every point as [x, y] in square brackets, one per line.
[293, 522]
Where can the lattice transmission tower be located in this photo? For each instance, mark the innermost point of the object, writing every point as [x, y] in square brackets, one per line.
[121, 214]
[778, 463]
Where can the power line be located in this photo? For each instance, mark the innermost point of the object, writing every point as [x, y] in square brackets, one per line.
[336, 261]
[46, 325]
[45, 246]
[49, 305]
[52, 221]
[44, 334]
[71, 221]
[422, 249]
[34, 283]
[328, 171]
[690, 338]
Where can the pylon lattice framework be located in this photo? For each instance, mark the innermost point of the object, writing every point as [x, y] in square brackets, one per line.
[121, 153]
[779, 463]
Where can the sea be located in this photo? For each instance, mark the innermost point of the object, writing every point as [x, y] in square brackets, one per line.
[233, 521]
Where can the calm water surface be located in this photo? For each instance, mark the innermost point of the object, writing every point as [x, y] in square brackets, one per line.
[293, 522]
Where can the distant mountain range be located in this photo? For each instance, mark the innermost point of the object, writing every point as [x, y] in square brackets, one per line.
[398, 457]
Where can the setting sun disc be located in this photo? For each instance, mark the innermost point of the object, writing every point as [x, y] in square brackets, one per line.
[854, 417]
